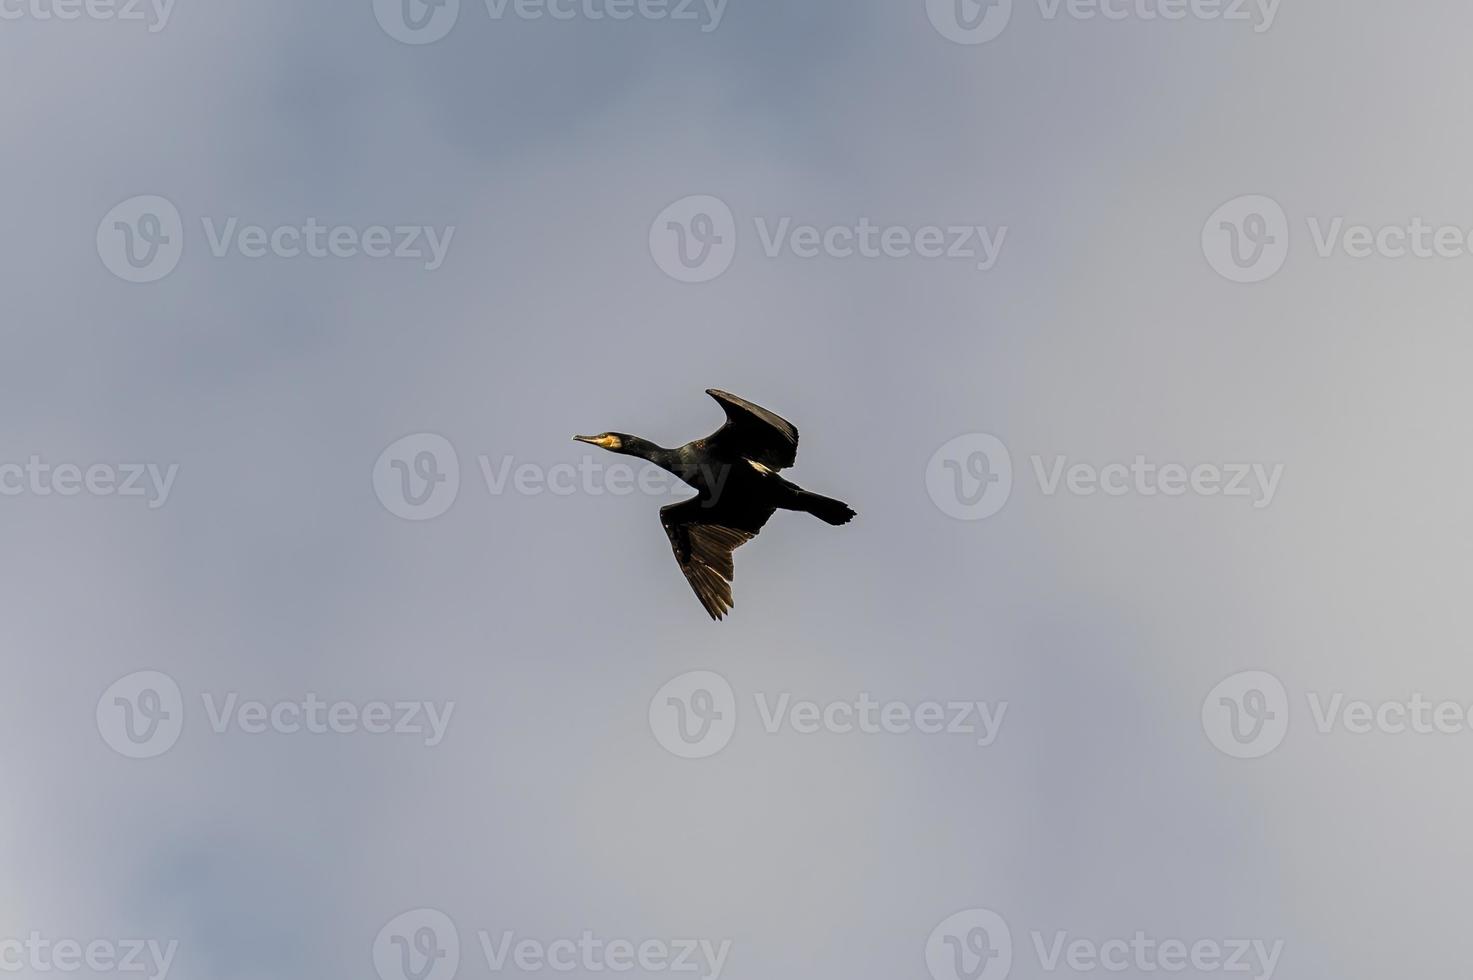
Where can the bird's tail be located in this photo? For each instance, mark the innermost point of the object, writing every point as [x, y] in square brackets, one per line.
[826, 509]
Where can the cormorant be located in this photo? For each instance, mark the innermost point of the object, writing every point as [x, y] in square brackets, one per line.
[734, 474]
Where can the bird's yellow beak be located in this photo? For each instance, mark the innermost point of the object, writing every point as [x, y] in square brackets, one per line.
[603, 442]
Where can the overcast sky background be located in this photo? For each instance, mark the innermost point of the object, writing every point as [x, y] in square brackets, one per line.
[273, 569]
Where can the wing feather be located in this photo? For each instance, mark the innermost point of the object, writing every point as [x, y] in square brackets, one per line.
[752, 432]
[703, 544]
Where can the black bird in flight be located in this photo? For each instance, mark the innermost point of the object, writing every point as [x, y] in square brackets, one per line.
[734, 474]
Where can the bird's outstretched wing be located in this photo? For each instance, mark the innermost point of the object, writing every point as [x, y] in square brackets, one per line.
[752, 432]
[703, 539]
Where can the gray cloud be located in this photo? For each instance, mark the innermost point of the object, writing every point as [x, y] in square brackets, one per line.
[1102, 333]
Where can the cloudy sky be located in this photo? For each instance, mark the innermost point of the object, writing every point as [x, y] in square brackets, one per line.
[1137, 332]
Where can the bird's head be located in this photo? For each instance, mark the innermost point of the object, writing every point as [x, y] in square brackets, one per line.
[614, 442]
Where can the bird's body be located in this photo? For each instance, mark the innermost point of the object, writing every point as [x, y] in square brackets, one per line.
[734, 472]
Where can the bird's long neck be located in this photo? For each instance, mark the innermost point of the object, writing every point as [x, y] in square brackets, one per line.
[666, 459]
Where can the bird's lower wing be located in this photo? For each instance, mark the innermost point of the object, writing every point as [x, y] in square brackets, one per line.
[703, 544]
